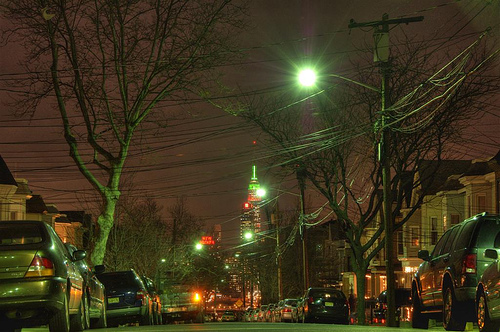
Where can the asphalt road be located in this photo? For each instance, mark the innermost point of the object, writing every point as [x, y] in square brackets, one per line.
[267, 327]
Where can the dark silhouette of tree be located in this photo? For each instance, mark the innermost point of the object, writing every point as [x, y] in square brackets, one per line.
[113, 69]
[331, 133]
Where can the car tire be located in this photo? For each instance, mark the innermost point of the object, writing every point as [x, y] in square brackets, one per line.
[60, 321]
[484, 323]
[419, 320]
[77, 322]
[453, 318]
[102, 321]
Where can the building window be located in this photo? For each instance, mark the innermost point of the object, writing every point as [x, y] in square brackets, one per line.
[13, 215]
[469, 207]
[401, 244]
[434, 231]
[414, 236]
[455, 219]
[480, 203]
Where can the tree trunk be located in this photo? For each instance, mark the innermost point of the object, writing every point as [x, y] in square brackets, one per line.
[360, 304]
[105, 222]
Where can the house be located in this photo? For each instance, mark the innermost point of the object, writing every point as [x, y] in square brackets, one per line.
[17, 202]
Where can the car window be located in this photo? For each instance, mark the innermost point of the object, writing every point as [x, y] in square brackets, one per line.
[58, 242]
[291, 302]
[488, 232]
[118, 280]
[465, 236]
[21, 234]
[447, 247]
[439, 246]
[327, 294]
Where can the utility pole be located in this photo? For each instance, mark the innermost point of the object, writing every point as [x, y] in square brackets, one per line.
[381, 55]
[305, 265]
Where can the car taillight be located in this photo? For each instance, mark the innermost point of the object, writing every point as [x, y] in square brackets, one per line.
[287, 310]
[469, 264]
[40, 267]
[141, 295]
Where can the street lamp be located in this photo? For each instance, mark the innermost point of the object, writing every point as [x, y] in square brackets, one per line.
[306, 78]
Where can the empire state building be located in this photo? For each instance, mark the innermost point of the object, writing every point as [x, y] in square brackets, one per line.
[250, 216]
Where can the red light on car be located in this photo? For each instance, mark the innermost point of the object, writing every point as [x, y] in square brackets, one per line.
[141, 295]
[469, 264]
[40, 267]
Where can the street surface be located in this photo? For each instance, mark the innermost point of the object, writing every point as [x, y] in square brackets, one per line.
[268, 327]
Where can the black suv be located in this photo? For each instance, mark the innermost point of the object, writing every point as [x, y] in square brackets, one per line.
[445, 283]
[325, 304]
[127, 298]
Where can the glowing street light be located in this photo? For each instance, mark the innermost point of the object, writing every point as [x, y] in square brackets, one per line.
[307, 77]
[248, 236]
[198, 246]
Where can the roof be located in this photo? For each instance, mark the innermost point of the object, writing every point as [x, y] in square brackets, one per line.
[35, 205]
[5, 174]
[434, 174]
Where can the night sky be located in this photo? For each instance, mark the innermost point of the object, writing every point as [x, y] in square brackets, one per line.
[207, 155]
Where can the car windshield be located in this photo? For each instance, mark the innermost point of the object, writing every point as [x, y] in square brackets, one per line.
[22, 234]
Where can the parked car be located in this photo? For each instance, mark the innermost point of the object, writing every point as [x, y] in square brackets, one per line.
[325, 304]
[95, 299]
[300, 310]
[127, 298]
[39, 281]
[288, 310]
[277, 311]
[228, 316]
[446, 281]
[269, 314]
[261, 317]
[155, 296]
[403, 298]
[487, 293]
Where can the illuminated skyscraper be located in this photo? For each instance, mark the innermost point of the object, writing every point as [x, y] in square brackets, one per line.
[250, 215]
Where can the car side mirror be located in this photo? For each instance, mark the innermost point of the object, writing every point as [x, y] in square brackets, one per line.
[424, 255]
[98, 269]
[79, 255]
[491, 253]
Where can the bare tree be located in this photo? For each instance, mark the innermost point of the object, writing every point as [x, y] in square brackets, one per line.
[113, 67]
[330, 136]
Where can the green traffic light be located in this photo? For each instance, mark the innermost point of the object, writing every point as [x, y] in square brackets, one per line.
[199, 246]
[307, 77]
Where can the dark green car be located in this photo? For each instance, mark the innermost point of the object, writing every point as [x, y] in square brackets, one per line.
[39, 282]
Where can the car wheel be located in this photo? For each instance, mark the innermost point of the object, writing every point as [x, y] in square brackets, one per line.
[102, 321]
[60, 321]
[419, 320]
[77, 322]
[483, 319]
[453, 319]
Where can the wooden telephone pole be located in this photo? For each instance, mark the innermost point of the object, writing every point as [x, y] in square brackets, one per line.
[381, 55]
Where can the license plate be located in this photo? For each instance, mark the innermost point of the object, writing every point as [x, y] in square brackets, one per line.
[328, 304]
[113, 300]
